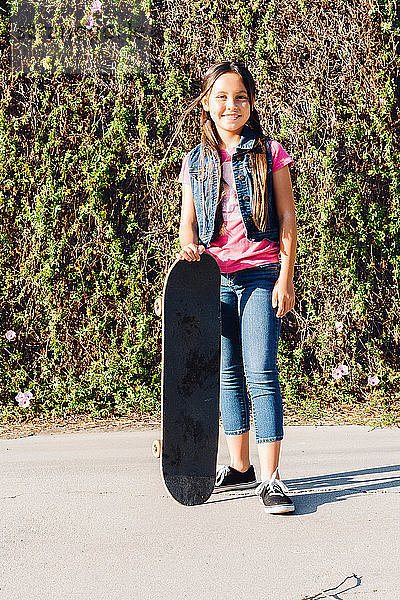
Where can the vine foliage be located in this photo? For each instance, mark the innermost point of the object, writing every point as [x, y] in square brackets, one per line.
[90, 213]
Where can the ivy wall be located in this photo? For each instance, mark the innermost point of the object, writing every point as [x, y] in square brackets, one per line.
[90, 210]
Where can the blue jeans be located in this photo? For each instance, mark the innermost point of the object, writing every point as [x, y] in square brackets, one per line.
[249, 346]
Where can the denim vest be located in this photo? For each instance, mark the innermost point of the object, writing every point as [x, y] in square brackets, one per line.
[205, 171]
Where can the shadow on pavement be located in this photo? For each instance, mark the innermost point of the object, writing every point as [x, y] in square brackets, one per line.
[317, 490]
[337, 591]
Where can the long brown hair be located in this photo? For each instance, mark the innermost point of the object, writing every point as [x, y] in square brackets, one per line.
[211, 140]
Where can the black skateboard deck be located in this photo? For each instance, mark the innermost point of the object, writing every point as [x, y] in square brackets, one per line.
[191, 330]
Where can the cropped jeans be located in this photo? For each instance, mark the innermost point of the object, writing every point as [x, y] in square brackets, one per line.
[249, 346]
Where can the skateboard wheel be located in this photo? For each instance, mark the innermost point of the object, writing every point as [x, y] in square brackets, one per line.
[156, 448]
[158, 306]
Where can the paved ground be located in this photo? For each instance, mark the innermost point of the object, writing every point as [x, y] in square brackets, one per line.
[85, 516]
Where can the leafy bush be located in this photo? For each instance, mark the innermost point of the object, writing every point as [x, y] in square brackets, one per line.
[90, 211]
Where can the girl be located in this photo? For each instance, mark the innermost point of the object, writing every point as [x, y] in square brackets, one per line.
[238, 206]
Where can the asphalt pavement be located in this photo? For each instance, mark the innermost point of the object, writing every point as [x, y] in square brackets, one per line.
[86, 516]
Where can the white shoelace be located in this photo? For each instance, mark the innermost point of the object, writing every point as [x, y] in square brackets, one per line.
[222, 470]
[275, 486]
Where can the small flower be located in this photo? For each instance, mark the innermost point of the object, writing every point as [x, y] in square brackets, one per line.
[19, 397]
[90, 23]
[25, 403]
[344, 369]
[24, 398]
[339, 325]
[373, 380]
[11, 335]
[337, 373]
[96, 6]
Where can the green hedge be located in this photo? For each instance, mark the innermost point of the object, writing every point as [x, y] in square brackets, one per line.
[90, 210]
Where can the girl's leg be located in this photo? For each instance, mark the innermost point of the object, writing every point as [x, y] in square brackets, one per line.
[238, 446]
[234, 401]
[260, 329]
[268, 453]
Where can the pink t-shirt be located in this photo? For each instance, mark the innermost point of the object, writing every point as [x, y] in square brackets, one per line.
[232, 250]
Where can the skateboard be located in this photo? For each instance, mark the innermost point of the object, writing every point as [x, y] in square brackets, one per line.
[190, 379]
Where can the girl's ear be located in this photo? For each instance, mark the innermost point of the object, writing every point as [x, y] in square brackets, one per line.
[204, 102]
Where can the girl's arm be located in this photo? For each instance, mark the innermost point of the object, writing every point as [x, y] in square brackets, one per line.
[188, 232]
[283, 293]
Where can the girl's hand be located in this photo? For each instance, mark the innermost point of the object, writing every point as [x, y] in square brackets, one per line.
[190, 252]
[283, 295]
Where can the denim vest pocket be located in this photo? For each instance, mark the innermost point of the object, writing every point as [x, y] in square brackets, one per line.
[199, 176]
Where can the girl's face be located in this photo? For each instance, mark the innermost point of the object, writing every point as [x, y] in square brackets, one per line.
[228, 103]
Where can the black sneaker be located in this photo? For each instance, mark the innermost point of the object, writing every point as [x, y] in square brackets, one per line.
[229, 478]
[272, 493]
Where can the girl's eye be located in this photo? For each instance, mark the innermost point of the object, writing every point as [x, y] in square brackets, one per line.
[240, 97]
